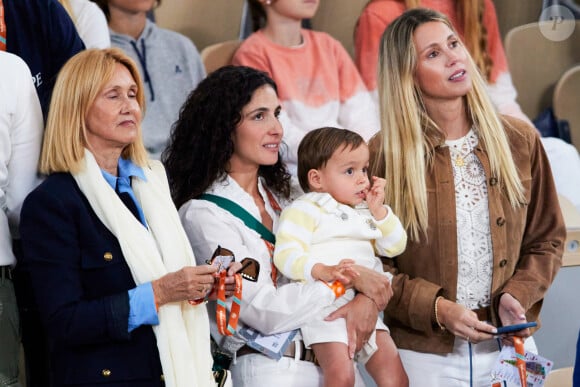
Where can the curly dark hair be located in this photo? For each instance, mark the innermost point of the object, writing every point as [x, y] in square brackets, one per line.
[201, 145]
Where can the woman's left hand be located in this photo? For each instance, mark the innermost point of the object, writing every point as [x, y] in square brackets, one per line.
[512, 312]
[361, 318]
[374, 285]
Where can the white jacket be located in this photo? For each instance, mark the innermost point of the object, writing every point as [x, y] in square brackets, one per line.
[264, 307]
[21, 129]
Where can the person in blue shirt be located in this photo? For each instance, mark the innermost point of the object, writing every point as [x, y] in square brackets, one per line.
[44, 36]
[111, 268]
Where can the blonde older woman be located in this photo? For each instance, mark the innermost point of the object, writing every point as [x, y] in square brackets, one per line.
[111, 266]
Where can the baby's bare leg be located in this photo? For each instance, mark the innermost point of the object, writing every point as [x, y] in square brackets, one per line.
[337, 367]
[385, 365]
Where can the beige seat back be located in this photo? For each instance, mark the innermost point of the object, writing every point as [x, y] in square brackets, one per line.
[562, 377]
[572, 244]
[513, 13]
[338, 19]
[218, 55]
[566, 102]
[205, 22]
[536, 63]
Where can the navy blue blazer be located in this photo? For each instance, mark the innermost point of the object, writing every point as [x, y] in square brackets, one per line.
[80, 281]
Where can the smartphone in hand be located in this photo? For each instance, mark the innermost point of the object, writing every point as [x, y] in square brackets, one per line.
[515, 327]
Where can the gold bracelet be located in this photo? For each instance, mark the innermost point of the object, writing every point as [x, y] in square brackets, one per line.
[437, 315]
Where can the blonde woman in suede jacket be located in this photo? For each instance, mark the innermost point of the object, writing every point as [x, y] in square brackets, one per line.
[475, 193]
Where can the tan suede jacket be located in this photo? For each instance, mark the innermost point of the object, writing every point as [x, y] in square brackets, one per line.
[527, 244]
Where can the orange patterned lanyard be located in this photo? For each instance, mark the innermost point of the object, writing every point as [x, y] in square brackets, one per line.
[521, 359]
[520, 362]
[270, 246]
[274, 272]
[230, 329]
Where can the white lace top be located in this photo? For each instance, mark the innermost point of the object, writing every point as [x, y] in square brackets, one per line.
[473, 230]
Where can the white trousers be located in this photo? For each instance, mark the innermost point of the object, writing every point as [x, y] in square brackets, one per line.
[469, 365]
[317, 330]
[255, 370]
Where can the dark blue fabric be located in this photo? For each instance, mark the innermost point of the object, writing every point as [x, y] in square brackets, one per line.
[44, 36]
[80, 281]
[571, 5]
[127, 200]
[550, 126]
[577, 364]
[122, 185]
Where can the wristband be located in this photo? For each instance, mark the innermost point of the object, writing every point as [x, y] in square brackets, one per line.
[155, 301]
[197, 302]
[442, 327]
[154, 298]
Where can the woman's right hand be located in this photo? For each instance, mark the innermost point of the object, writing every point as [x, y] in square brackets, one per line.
[188, 283]
[374, 285]
[463, 322]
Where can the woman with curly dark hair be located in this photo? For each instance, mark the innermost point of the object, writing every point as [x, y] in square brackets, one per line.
[229, 183]
[202, 140]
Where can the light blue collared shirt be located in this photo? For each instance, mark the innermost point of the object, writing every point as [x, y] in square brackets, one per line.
[142, 309]
[127, 169]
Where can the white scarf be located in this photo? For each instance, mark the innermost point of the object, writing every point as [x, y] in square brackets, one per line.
[183, 337]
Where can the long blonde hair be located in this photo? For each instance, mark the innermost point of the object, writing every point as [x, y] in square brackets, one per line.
[470, 15]
[410, 136]
[78, 84]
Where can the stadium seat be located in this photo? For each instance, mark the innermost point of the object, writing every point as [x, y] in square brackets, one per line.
[338, 19]
[515, 13]
[562, 377]
[566, 102]
[205, 22]
[219, 54]
[536, 63]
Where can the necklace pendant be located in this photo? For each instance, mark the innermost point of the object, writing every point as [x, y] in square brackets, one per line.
[459, 161]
